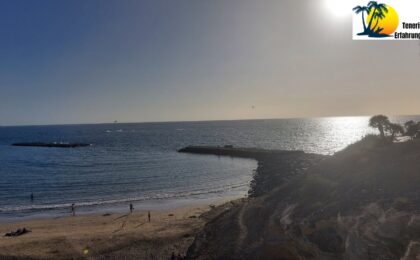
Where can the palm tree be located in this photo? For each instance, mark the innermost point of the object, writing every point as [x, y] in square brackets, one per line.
[376, 9]
[394, 129]
[362, 9]
[381, 122]
[379, 16]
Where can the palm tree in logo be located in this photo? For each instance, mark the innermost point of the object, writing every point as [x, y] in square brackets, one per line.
[379, 11]
[362, 9]
[378, 16]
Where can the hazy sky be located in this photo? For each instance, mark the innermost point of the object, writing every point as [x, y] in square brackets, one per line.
[164, 60]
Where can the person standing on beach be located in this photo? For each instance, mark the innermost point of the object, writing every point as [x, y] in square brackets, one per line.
[32, 197]
[148, 215]
[73, 209]
[131, 208]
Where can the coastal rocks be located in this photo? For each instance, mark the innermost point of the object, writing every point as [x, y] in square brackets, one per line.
[229, 150]
[339, 208]
[224, 223]
[274, 166]
[327, 239]
[378, 231]
[278, 168]
[413, 251]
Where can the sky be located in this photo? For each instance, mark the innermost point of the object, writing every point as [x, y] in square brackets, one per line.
[96, 61]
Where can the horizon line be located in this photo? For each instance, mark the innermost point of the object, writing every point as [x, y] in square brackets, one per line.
[192, 121]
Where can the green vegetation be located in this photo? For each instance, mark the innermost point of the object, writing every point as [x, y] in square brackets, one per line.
[394, 129]
[412, 129]
[389, 130]
[381, 122]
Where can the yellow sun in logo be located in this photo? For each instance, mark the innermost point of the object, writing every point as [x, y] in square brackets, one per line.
[389, 22]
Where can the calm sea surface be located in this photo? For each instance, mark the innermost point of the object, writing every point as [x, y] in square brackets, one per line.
[138, 162]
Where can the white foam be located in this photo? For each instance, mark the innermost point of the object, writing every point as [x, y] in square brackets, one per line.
[161, 196]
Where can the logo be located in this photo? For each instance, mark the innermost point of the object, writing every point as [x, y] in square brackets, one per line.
[381, 21]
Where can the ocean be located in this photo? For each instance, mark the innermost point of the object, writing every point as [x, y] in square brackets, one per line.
[138, 162]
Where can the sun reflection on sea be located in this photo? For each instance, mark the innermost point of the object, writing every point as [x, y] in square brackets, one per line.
[342, 131]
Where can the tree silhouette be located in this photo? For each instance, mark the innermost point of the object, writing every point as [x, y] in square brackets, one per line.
[379, 16]
[394, 129]
[411, 128]
[380, 122]
[378, 11]
[362, 9]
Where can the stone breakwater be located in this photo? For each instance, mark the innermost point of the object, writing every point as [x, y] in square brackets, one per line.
[361, 203]
[274, 166]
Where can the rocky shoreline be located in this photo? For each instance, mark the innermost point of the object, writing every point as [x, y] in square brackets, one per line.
[360, 203]
[274, 166]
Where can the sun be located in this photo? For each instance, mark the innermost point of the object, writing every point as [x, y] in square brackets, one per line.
[389, 23]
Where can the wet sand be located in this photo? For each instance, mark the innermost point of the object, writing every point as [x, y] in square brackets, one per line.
[110, 236]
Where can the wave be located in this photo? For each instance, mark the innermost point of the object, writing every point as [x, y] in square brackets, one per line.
[115, 131]
[44, 207]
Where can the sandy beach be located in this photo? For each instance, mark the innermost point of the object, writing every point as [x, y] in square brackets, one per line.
[110, 236]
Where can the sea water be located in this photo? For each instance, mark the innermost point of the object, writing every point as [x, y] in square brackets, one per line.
[138, 162]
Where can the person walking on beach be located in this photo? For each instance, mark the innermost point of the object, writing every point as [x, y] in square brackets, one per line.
[73, 209]
[148, 215]
[131, 208]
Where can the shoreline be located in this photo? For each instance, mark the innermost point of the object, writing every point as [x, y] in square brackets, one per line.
[45, 206]
[289, 212]
[174, 229]
[117, 208]
[114, 235]
[111, 232]
[130, 236]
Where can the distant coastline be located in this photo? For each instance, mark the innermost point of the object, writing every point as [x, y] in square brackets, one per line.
[202, 121]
